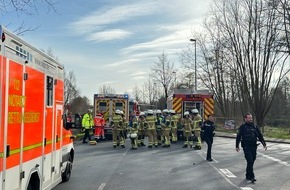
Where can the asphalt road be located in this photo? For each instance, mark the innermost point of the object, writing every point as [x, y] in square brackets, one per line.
[100, 167]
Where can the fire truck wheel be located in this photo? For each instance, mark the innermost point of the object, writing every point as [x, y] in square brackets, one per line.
[67, 173]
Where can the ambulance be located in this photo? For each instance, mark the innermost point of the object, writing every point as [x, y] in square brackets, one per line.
[107, 104]
[36, 147]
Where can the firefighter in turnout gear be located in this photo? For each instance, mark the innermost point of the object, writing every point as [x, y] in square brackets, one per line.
[174, 121]
[87, 124]
[117, 128]
[151, 129]
[187, 126]
[197, 123]
[166, 125]
[133, 131]
[141, 129]
[158, 127]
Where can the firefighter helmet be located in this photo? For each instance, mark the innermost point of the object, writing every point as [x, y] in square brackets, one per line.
[158, 111]
[186, 113]
[117, 112]
[172, 111]
[133, 135]
[194, 111]
[165, 111]
[142, 113]
[150, 112]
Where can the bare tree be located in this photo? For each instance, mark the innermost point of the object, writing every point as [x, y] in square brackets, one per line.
[79, 105]
[28, 7]
[70, 87]
[162, 73]
[250, 32]
[136, 93]
[106, 89]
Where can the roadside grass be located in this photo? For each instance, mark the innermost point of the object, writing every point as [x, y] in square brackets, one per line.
[271, 132]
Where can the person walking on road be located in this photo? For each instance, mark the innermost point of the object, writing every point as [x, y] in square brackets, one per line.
[87, 124]
[248, 134]
[208, 128]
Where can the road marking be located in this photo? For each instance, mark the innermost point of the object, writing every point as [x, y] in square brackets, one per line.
[102, 186]
[246, 188]
[275, 159]
[225, 177]
[228, 173]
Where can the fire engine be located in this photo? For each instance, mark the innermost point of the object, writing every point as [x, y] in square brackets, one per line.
[182, 100]
[36, 148]
[107, 104]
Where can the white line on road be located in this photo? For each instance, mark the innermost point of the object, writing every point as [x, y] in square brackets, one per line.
[246, 188]
[274, 159]
[227, 179]
[228, 173]
[102, 186]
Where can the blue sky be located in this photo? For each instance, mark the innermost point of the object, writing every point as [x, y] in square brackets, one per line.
[112, 42]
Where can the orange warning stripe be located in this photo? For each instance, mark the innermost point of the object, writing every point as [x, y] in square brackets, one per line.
[177, 104]
[208, 107]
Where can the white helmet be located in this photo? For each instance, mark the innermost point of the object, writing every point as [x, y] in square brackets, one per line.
[194, 111]
[186, 113]
[150, 112]
[142, 113]
[172, 111]
[121, 112]
[165, 111]
[117, 112]
[158, 111]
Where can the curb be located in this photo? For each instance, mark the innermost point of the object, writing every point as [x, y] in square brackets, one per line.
[233, 136]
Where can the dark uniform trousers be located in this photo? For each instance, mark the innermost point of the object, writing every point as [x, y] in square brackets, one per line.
[250, 155]
[209, 141]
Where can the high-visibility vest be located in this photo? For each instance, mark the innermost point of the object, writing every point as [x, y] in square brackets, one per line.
[88, 121]
[117, 121]
[174, 120]
[197, 120]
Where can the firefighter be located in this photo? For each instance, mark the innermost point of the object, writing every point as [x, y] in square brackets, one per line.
[197, 122]
[117, 127]
[174, 121]
[158, 127]
[141, 129]
[123, 132]
[166, 125]
[99, 127]
[87, 124]
[151, 129]
[187, 126]
[133, 130]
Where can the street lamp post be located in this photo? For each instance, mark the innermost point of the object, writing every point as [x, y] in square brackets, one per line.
[174, 72]
[195, 80]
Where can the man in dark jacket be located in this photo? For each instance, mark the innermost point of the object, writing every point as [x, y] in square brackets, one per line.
[248, 134]
[208, 128]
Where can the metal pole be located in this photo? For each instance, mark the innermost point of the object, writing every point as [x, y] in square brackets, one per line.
[195, 75]
[195, 79]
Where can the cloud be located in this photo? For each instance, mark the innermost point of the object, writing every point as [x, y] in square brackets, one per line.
[122, 63]
[108, 35]
[97, 20]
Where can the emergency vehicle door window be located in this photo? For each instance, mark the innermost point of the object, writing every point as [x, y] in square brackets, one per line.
[119, 106]
[49, 91]
[102, 106]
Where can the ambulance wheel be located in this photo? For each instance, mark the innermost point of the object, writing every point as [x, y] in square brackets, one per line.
[67, 173]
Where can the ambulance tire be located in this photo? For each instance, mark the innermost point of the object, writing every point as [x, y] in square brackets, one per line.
[67, 173]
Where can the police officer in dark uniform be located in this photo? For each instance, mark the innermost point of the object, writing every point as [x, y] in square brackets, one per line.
[248, 134]
[208, 128]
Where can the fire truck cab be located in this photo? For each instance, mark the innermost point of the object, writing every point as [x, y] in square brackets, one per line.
[36, 147]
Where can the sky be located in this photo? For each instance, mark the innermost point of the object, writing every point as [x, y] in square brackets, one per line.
[111, 42]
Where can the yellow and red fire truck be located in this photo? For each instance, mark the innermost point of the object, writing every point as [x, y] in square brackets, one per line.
[182, 100]
[36, 148]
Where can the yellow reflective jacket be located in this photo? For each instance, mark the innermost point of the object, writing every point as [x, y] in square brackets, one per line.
[88, 121]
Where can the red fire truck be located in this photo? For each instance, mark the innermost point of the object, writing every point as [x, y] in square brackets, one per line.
[182, 100]
[36, 147]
